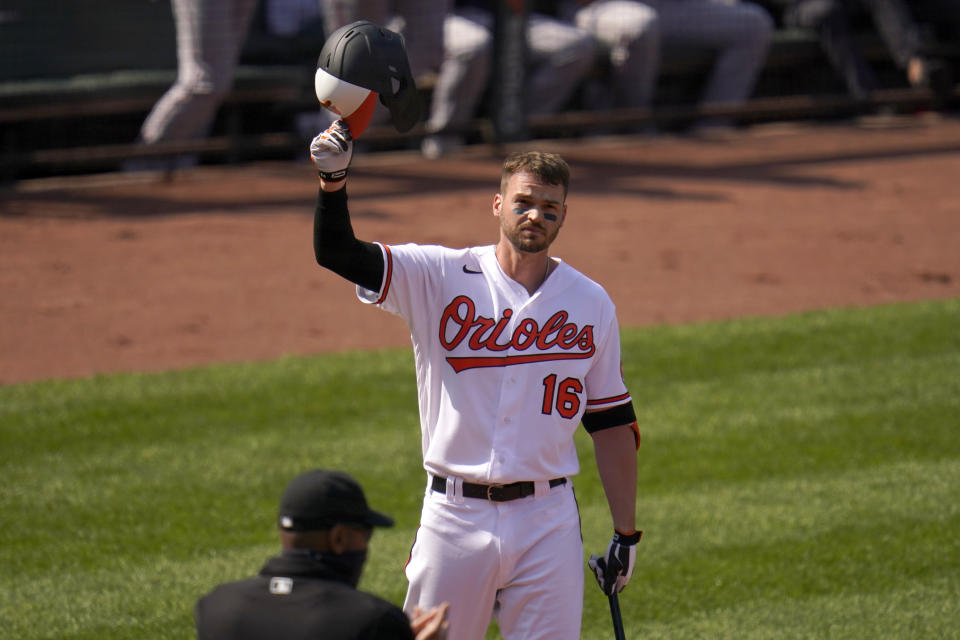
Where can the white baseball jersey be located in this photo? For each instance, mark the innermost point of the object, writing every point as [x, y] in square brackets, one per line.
[503, 376]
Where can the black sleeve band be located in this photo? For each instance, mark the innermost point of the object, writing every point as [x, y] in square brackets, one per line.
[607, 418]
[338, 249]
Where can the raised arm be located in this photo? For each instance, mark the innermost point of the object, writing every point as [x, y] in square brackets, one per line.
[334, 243]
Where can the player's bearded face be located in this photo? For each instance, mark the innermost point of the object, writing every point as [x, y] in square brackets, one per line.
[531, 213]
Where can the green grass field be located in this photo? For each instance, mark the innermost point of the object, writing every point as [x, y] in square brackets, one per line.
[799, 478]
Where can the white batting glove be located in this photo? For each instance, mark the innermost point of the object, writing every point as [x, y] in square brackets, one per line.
[614, 569]
[332, 150]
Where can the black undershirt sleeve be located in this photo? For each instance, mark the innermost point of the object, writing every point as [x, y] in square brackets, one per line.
[338, 249]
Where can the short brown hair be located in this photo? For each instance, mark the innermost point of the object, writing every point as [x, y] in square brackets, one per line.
[544, 165]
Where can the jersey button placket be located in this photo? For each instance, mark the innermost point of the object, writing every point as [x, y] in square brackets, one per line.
[501, 438]
[504, 435]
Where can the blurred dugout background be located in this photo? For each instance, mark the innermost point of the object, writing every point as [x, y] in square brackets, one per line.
[78, 77]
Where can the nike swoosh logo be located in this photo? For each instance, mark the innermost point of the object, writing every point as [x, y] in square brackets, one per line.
[469, 270]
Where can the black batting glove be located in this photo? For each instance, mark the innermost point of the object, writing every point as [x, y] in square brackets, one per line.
[614, 568]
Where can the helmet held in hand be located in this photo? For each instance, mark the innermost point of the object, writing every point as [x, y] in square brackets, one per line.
[360, 62]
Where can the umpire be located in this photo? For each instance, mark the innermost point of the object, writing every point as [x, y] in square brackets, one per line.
[309, 590]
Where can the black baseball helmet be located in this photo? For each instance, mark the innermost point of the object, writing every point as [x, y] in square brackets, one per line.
[359, 62]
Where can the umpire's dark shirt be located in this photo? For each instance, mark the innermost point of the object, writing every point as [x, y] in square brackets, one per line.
[295, 597]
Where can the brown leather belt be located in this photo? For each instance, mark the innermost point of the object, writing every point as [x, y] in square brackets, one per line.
[494, 492]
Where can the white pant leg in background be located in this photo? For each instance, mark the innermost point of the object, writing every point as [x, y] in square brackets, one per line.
[210, 34]
[630, 32]
[468, 50]
[559, 56]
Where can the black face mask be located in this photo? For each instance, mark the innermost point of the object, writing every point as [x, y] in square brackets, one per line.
[347, 565]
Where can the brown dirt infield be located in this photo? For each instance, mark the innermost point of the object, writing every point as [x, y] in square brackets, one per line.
[131, 273]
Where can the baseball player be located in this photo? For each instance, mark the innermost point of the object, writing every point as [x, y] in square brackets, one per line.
[514, 349]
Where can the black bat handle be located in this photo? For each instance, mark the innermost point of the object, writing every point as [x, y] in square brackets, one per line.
[615, 614]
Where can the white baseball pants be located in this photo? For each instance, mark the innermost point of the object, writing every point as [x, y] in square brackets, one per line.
[519, 561]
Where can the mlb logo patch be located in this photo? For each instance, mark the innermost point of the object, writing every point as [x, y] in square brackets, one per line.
[281, 586]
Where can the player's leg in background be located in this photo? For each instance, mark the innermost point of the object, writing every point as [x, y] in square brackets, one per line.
[209, 37]
[630, 33]
[559, 57]
[740, 32]
[900, 32]
[831, 21]
[455, 559]
[468, 50]
[908, 29]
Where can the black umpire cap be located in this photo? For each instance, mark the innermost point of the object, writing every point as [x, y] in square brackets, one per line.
[319, 499]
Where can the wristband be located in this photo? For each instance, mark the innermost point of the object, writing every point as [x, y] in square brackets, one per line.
[333, 176]
[627, 539]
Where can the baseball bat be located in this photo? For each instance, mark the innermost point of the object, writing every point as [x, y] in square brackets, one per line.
[615, 614]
